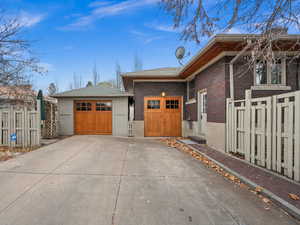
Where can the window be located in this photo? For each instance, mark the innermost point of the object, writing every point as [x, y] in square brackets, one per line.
[172, 104]
[153, 104]
[83, 106]
[270, 73]
[103, 106]
[276, 72]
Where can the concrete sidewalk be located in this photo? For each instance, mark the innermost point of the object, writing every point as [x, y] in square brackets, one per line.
[102, 180]
[274, 186]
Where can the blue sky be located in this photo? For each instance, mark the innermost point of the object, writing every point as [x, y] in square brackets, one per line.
[71, 35]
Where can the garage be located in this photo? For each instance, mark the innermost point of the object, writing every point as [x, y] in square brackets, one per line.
[162, 116]
[93, 117]
[96, 110]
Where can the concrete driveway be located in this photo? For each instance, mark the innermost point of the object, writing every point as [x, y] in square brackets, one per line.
[96, 180]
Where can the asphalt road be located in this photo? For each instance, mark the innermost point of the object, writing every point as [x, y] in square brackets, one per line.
[98, 180]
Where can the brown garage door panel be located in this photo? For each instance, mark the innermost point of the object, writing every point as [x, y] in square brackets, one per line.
[162, 116]
[93, 117]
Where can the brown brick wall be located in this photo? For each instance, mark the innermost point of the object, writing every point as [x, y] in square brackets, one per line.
[216, 80]
[212, 79]
[143, 89]
[244, 80]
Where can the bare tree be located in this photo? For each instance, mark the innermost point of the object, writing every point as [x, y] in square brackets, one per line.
[201, 19]
[266, 22]
[76, 82]
[71, 86]
[118, 76]
[138, 63]
[96, 75]
[17, 62]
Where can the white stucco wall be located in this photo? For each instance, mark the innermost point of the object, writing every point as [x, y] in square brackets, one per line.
[215, 133]
[65, 117]
[216, 136]
[120, 116]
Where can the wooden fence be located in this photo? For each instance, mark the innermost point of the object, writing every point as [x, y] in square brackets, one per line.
[20, 128]
[266, 131]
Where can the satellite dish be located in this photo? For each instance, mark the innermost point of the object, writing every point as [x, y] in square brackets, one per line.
[180, 52]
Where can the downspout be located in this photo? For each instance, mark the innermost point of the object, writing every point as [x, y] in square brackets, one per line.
[231, 68]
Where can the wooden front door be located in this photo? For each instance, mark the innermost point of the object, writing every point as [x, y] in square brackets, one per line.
[93, 117]
[162, 116]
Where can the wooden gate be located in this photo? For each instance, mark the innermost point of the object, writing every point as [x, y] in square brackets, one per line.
[162, 116]
[21, 123]
[266, 131]
[93, 117]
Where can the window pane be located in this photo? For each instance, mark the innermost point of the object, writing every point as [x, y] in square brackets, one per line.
[172, 104]
[153, 104]
[261, 72]
[83, 106]
[89, 107]
[103, 106]
[276, 72]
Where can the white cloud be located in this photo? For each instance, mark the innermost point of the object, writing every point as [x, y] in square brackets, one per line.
[112, 9]
[146, 38]
[99, 3]
[162, 27]
[29, 20]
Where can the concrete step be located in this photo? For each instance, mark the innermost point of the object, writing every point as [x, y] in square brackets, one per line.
[198, 139]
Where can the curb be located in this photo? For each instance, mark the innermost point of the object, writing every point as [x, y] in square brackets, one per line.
[292, 210]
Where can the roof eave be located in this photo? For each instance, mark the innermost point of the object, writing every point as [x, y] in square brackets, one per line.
[87, 96]
[230, 37]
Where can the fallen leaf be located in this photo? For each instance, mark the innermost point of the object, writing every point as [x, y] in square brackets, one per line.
[258, 189]
[293, 196]
[231, 177]
[266, 200]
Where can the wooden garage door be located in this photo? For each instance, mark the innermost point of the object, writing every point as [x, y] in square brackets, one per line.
[93, 117]
[162, 116]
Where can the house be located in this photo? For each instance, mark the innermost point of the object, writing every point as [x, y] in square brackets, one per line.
[93, 110]
[191, 101]
[17, 96]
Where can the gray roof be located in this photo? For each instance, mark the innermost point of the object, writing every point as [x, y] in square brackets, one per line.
[94, 91]
[165, 72]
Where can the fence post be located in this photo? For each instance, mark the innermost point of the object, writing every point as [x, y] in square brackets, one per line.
[38, 121]
[1, 139]
[274, 133]
[9, 118]
[297, 137]
[269, 133]
[247, 124]
[228, 130]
